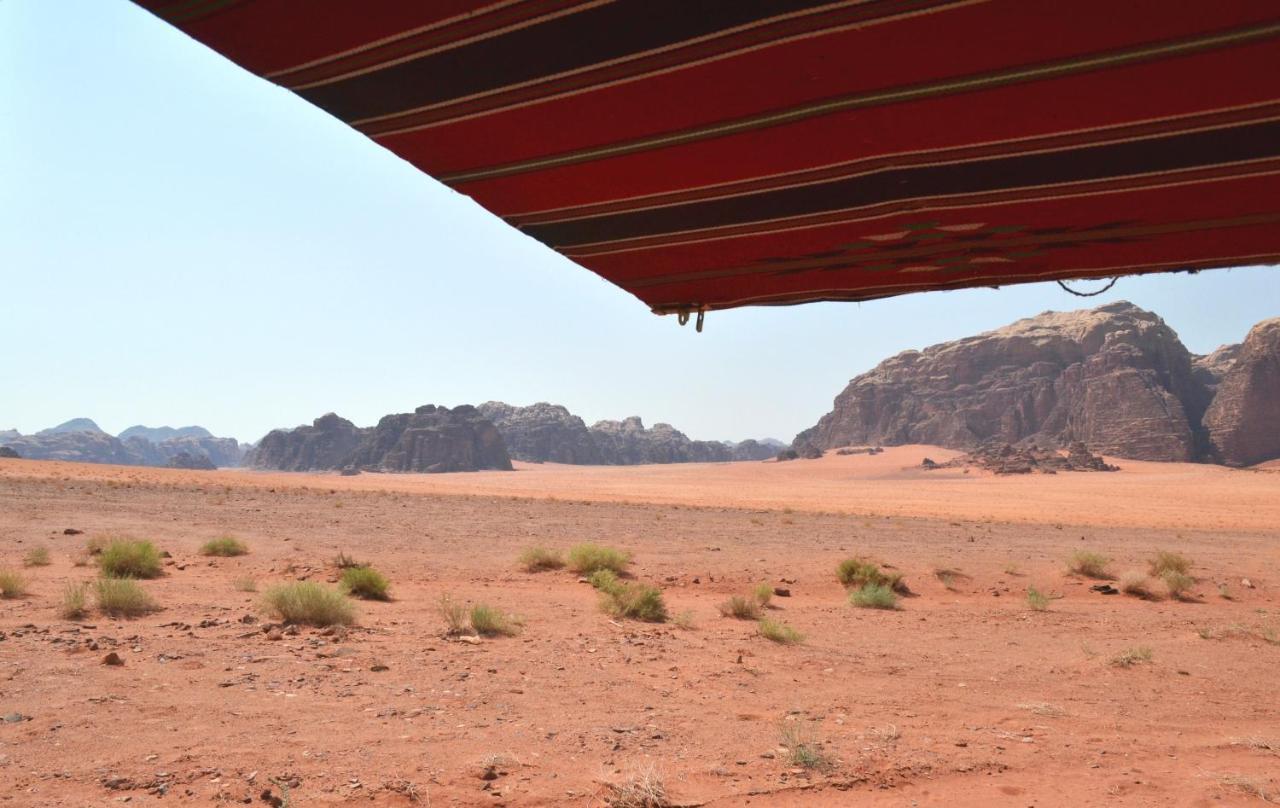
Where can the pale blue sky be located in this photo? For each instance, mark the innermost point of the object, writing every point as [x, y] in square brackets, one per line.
[181, 242]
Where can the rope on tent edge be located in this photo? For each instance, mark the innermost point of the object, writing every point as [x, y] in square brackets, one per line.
[1106, 288]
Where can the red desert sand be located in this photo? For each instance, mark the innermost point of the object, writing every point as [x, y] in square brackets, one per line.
[965, 695]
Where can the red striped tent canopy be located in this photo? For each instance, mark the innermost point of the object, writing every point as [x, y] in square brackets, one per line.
[706, 154]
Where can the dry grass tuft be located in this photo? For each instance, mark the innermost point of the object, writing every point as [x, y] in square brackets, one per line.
[1258, 743]
[122, 597]
[874, 596]
[1178, 584]
[309, 603]
[490, 622]
[1089, 565]
[12, 585]
[366, 583]
[538, 559]
[741, 607]
[1044, 708]
[630, 600]
[643, 788]
[763, 594]
[454, 615]
[224, 547]
[1037, 600]
[950, 578]
[1136, 583]
[1165, 561]
[684, 620]
[345, 562]
[802, 748]
[588, 558]
[1252, 786]
[779, 632]
[73, 605]
[36, 557]
[129, 558]
[858, 572]
[1138, 655]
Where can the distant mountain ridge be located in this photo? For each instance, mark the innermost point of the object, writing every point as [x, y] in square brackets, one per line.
[1115, 377]
[81, 440]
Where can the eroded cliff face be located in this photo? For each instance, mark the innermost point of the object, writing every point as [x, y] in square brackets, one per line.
[1243, 422]
[543, 432]
[1115, 377]
[429, 439]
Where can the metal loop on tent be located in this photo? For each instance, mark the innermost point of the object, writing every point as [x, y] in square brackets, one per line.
[682, 317]
[702, 312]
[1089, 294]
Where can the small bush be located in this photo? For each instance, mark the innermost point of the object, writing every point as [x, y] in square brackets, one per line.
[763, 593]
[126, 558]
[122, 597]
[874, 596]
[743, 608]
[797, 738]
[1137, 584]
[779, 632]
[96, 545]
[12, 584]
[224, 547]
[36, 557]
[365, 582]
[246, 584]
[345, 562]
[454, 615]
[538, 559]
[308, 603]
[635, 602]
[684, 620]
[604, 580]
[1178, 584]
[588, 558]
[73, 605]
[1037, 600]
[1089, 564]
[858, 572]
[1131, 657]
[642, 789]
[1166, 561]
[491, 622]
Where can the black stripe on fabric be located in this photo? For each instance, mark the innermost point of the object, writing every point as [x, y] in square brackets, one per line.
[570, 42]
[1151, 155]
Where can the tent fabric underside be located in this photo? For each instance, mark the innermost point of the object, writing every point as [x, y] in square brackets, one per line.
[707, 154]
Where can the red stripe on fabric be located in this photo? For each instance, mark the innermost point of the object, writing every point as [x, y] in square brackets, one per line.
[949, 43]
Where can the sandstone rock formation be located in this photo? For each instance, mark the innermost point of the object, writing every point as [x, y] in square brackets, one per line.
[74, 425]
[162, 433]
[1004, 458]
[628, 442]
[1243, 422]
[543, 432]
[186, 460]
[1115, 377]
[11, 454]
[81, 440]
[751, 449]
[430, 439]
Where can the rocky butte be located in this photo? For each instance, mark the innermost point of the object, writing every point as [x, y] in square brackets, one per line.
[1116, 378]
[429, 439]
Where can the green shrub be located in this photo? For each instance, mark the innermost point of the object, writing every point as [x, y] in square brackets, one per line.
[1089, 564]
[454, 615]
[36, 557]
[635, 601]
[12, 584]
[491, 622]
[605, 580]
[126, 558]
[73, 601]
[365, 582]
[779, 632]
[857, 572]
[1179, 584]
[225, 547]
[308, 603]
[538, 559]
[743, 608]
[122, 597]
[1037, 600]
[588, 558]
[802, 750]
[1166, 561]
[874, 596]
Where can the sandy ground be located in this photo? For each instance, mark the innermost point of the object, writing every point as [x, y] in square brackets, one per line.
[962, 697]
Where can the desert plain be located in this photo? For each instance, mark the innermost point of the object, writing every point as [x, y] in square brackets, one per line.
[963, 696]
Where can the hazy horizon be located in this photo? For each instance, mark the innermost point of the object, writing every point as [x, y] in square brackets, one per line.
[189, 244]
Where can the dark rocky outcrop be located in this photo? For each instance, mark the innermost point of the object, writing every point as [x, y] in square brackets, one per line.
[1004, 458]
[92, 445]
[1115, 377]
[429, 439]
[751, 449]
[186, 460]
[543, 433]
[1243, 422]
[326, 444]
[1210, 369]
[628, 442]
[11, 454]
